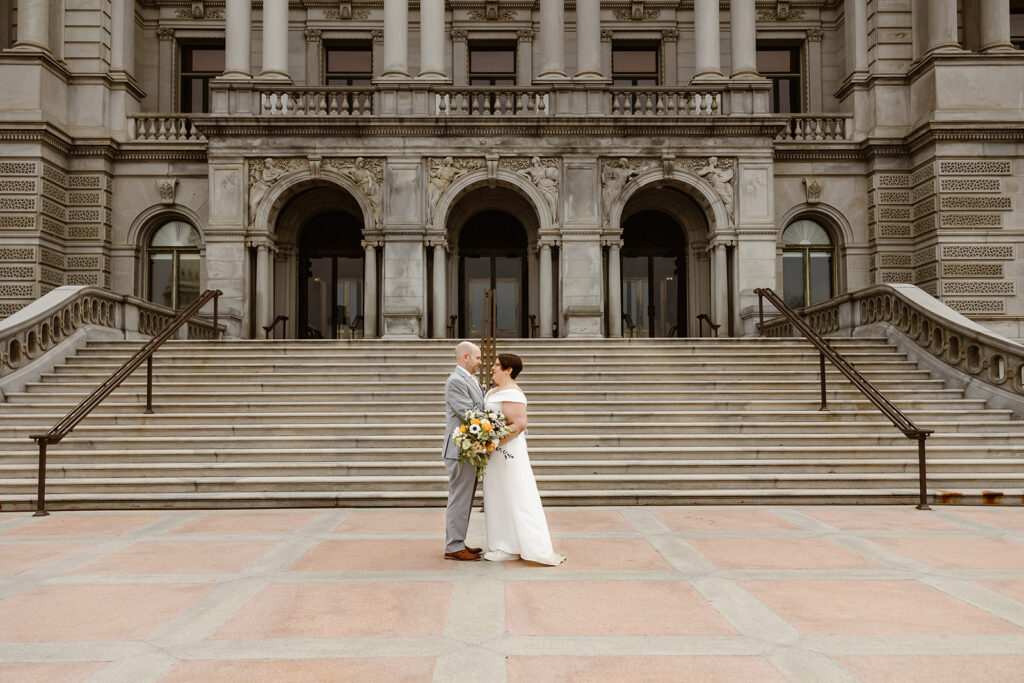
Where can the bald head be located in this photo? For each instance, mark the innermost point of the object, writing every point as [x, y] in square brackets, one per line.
[467, 356]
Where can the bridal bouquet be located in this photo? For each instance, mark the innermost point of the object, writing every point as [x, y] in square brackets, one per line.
[479, 437]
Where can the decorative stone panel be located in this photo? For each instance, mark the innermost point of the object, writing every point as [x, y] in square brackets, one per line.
[16, 168]
[17, 272]
[894, 230]
[925, 273]
[970, 185]
[17, 186]
[894, 260]
[977, 251]
[977, 306]
[968, 270]
[975, 202]
[972, 220]
[926, 255]
[893, 277]
[975, 167]
[969, 287]
[51, 275]
[17, 254]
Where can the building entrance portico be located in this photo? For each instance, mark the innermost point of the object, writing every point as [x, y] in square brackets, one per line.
[654, 275]
[331, 268]
[492, 255]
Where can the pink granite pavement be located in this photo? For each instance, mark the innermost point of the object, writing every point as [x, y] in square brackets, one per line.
[648, 594]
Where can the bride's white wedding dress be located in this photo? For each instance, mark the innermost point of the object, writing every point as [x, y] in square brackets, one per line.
[516, 526]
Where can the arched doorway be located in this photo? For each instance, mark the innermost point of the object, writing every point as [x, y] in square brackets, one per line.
[492, 255]
[331, 277]
[654, 274]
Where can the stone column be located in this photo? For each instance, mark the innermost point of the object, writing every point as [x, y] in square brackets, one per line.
[165, 34]
[439, 292]
[544, 289]
[377, 50]
[264, 288]
[432, 41]
[743, 35]
[614, 289]
[524, 56]
[942, 26]
[706, 40]
[460, 57]
[396, 39]
[237, 39]
[552, 39]
[588, 39]
[994, 25]
[314, 56]
[670, 51]
[122, 16]
[606, 50]
[720, 286]
[369, 289]
[856, 36]
[275, 40]
[814, 85]
[33, 25]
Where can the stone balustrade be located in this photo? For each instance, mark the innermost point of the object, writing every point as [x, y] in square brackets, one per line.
[955, 345]
[148, 127]
[333, 101]
[816, 127]
[491, 101]
[42, 325]
[649, 101]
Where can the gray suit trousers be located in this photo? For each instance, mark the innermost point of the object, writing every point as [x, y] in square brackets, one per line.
[461, 489]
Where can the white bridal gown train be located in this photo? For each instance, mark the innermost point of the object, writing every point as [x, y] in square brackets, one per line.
[516, 526]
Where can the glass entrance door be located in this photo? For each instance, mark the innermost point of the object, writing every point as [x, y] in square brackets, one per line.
[331, 278]
[502, 274]
[334, 297]
[653, 268]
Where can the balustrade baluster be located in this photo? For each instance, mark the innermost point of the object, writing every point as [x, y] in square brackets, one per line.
[162, 131]
[798, 132]
[818, 130]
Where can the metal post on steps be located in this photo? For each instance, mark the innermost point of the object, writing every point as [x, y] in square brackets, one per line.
[821, 374]
[216, 328]
[760, 314]
[922, 475]
[41, 494]
[149, 386]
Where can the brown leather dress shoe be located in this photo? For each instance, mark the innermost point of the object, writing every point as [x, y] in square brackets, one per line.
[475, 551]
[462, 556]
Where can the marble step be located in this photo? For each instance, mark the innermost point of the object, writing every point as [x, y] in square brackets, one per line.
[538, 415]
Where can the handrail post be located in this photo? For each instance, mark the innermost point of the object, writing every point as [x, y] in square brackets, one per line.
[216, 327]
[922, 475]
[760, 313]
[821, 374]
[149, 386]
[41, 493]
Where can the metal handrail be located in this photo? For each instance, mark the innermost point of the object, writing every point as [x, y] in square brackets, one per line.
[488, 333]
[272, 327]
[825, 350]
[90, 402]
[705, 318]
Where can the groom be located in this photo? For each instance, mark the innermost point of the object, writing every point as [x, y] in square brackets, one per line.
[461, 392]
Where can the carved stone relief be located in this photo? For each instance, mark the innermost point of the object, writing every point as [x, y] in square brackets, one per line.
[368, 174]
[441, 174]
[543, 173]
[168, 188]
[263, 173]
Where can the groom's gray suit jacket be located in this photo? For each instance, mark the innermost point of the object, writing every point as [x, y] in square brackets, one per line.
[461, 392]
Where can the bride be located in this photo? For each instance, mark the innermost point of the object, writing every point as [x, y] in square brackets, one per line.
[516, 527]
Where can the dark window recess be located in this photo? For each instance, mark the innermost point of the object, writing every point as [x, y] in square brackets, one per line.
[349, 65]
[1017, 23]
[781, 65]
[492, 65]
[199, 63]
[634, 65]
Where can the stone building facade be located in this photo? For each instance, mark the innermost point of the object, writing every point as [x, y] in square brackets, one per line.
[608, 168]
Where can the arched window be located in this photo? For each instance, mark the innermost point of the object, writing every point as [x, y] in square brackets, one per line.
[174, 264]
[808, 270]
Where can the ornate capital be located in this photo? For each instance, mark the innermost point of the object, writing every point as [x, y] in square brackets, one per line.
[606, 35]
[459, 35]
[670, 35]
[377, 35]
[525, 35]
[815, 34]
[165, 33]
[313, 35]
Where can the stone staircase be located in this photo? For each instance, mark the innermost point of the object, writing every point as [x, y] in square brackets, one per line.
[319, 423]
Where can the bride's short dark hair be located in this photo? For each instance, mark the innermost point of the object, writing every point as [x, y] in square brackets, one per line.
[510, 361]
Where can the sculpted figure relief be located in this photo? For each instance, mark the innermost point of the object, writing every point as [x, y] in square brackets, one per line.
[442, 174]
[545, 177]
[263, 174]
[719, 175]
[367, 175]
[613, 178]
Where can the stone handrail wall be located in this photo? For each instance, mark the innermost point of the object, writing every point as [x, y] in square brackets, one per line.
[41, 326]
[947, 336]
[652, 101]
[177, 128]
[491, 101]
[816, 127]
[317, 101]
